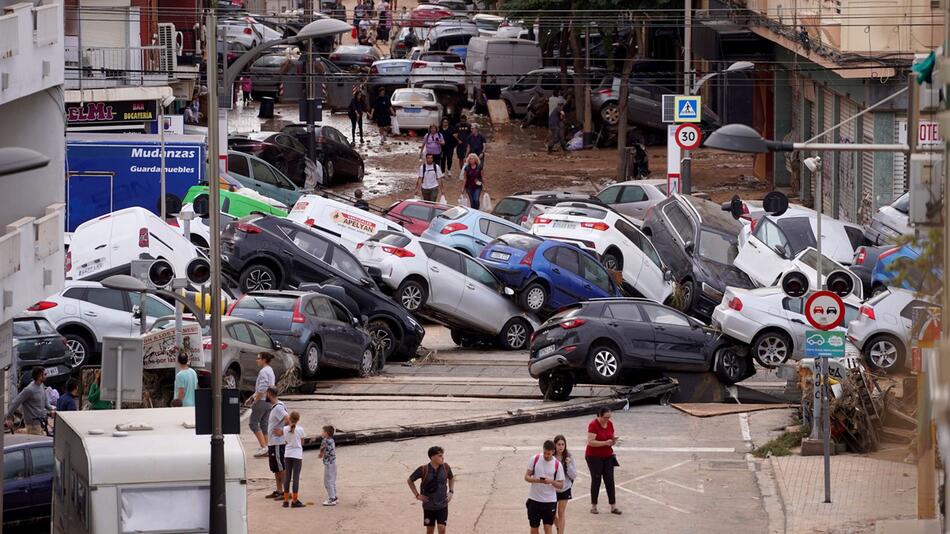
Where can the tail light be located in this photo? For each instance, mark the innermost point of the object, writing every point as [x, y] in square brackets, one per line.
[247, 228]
[366, 60]
[400, 44]
[234, 305]
[298, 317]
[173, 222]
[454, 227]
[752, 224]
[459, 66]
[69, 261]
[143, 237]
[735, 303]
[334, 57]
[542, 220]
[887, 253]
[528, 258]
[374, 70]
[868, 312]
[309, 222]
[399, 252]
[207, 345]
[248, 31]
[602, 226]
[607, 92]
[419, 64]
[42, 305]
[861, 256]
[572, 323]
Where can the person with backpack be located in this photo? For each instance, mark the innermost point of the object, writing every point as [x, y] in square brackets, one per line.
[429, 183]
[546, 475]
[293, 460]
[432, 143]
[435, 491]
[562, 455]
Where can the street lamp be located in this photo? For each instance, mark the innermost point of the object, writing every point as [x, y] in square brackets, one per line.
[742, 138]
[164, 103]
[131, 284]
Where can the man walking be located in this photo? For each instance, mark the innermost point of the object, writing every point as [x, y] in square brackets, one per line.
[475, 144]
[429, 183]
[556, 128]
[435, 491]
[276, 441]
[35, 406]
[186, 380]
[546, 476]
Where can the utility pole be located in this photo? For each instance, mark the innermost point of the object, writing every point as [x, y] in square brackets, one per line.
[686, 179]
[218, 522]
[311, 92]
[588, 120]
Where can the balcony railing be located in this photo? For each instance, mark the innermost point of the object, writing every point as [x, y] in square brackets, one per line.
[93, 67]
[46, 25]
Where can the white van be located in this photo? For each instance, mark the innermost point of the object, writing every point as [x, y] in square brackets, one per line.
[110, 479]
[107, 245]
[501, 58]
[350, 226]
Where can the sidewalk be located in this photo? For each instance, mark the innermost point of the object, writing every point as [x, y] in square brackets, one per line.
[864, 490]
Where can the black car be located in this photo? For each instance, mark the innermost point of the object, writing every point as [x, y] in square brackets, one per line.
[280, 150]
[39, 344]
[354, 56]
[28, 468]
[340, 161]
[613, 341]
[318, 328]
[522, 207]
[863, 263]
[263, 252]
[699, 243]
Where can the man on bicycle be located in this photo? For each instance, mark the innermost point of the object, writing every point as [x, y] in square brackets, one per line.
[32, 400]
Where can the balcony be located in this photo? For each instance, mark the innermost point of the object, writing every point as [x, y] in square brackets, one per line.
[31, 261]
[100, 67]
[31, 49]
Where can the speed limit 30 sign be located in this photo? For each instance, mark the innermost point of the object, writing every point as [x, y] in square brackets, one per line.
[688, 136]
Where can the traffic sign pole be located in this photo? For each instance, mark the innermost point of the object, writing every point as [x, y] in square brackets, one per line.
[687, 109]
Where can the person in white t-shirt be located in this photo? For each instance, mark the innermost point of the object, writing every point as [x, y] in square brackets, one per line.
[276, 442]
[293, 461]
[546, 476]
[429, 184]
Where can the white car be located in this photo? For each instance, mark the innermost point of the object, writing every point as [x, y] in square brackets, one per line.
[488, 24]
[890, 222]
[416, 109]
[768, 246]
[449, 287]
[438, 69]
[240, 31]
[612, 238]
[199, 227]
[267, 33]
[633, 198]
[347, 225]
[882, 330]
[83, 312]
[107, 245]
[772, 323]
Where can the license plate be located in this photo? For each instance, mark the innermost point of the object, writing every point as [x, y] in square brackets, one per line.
[52, 371]
[412, 110]
[563, 224]
[503, 256]
[89, 269]
[547, 350]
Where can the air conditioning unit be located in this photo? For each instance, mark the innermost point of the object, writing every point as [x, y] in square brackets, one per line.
[168, 60]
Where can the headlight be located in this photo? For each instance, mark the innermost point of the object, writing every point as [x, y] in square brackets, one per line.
[711, 292]
[413, 322]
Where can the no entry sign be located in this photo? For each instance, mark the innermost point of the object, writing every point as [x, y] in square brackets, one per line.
[688, 136]
[824, 310]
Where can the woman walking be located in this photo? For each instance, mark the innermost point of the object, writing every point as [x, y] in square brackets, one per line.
[432, 144]
[382, 113]
[473, 180]
[356, 110]
[293, 461]
[447, 131]
[570, 473]
[601, 460]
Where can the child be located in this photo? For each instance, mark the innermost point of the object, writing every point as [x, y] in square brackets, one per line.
[293, 460]
[328, 453]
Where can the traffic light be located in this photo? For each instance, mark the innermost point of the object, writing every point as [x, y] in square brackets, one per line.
[840, 283]
[160, 273]
[795, 284]
[198, 271]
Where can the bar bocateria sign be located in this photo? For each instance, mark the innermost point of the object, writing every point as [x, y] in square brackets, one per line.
[111, 112]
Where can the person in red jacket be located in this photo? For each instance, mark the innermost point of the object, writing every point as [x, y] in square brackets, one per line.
[601, 460]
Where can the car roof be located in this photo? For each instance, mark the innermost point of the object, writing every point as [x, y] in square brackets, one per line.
[276, 293]
[710, 213]
[653, 182]
[19, 440]
[80, 283]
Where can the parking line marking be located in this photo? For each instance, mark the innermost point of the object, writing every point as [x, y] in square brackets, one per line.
[651, 499]
[700, 489]
[657, 472]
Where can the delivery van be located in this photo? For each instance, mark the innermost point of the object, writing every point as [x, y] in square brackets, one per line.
[502, 59]
[345, 224]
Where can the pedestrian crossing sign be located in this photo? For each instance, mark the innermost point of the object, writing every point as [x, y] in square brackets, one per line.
[687, 109]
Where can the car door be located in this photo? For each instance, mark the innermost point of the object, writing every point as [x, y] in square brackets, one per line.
[17, 502]
[347, 159]
[240, 337]
[42, 467]
[107, 311]
[154, 308]
[483, 292]
[352, 340]
[597, 281]
[334, 349]
[238, 164]
[446, 281]
[264, 343]
[626, 322]
[265, 182]
[633, 201]
[305, 252]
[567, 282]
[679, 341]
[680, 230]
[759, 258]
[797, 325]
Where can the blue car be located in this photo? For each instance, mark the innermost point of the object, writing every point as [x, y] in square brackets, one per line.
[885, 271]
[28, 468]
[547, 274]
[468, 230]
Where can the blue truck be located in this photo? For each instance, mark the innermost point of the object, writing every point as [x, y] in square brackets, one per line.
[109, 172]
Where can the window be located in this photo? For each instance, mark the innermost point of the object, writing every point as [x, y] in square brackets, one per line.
[387, 237]
[794, 305]
[14, 465]
[341, 314]
[282, 181]
[550, 83]
[418, 211]
[627, 311]
[679, 221]
[770, 234]
[660, 315]
[526, 82]
[480, 274]
[32, 327]
[311, 244]
[42, 459]
[262, 172]
[157, 308]
[510, 207]
[454, 213]
[261, 339]
[266, 303]
[237, 164]
[107, 298]
[75, 293]
[639, 240]
[483, 226]
[716, 247]
[850, 314]
[323, 309]
[239, 332]
[567, 259]
[347, 264]
[595, 273]
[138, 511]
[494, 229]
[908, 311]
[447, 257]
[609, 195]
[632, 193]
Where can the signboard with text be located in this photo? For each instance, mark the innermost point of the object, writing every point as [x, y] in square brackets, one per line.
[94, 113]
[162, 353]
[824, 344]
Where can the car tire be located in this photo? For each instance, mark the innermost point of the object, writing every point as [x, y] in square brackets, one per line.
[612, 261]
[328, 170]
[412, 295]
[610, 113]
[310, 360]
[258, 277]
[884, 353]
[231, 379]
[515, 335]
[463, 339]
[382, 335]
[771, 349]
[689, 294]
[366, 363]
[603, 364]
[877, 290]
[81, 349]
[556, 386]
[731, 366]
[534, 297]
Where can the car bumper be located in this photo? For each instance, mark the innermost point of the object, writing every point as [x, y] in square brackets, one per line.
[513, 277]
[411, 340]
[734, 324]
[417, 120]
[542, 366]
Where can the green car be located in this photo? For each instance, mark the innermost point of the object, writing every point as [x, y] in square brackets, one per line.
[235, 204]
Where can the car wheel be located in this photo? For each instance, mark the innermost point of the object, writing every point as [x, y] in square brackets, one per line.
[79, 348]
[610, 113]
[878, 289]
[257, 278]
[462, 339]
[383, 337]
[603, 364]
[556, 386]
[366, 363]
[360, 172]
[412, 295]
[884, 353]
[310, 360]
[731, 366]
[231, 379]
[328, 170]
[510, 109]
[771, 349]
[612, 261]
[534, 297]
[515, 334]
[688, 289]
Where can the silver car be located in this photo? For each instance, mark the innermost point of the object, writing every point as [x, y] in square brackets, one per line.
[83, 312]
[890, 222]
[882, 330]
[635, 197]
[539, 83]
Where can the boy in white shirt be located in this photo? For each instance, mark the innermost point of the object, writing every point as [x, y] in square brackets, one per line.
[546, 476]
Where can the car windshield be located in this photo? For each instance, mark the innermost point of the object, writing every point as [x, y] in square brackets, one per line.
[267, 303]
[32, 327]
[410, 95]
[902, 204]
[717, 247]
[391, 238]
[522, 242]
[578, 211]
[510, 206]
[810, 258]
[274, 60]
[440, 57]
[455, 213]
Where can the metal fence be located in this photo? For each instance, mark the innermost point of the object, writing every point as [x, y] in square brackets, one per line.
[116, 66]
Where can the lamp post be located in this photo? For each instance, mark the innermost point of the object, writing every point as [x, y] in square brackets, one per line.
[162, 104]
[686, 167]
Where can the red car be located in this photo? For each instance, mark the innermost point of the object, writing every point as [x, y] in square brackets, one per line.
[427, 15]
[414, 215]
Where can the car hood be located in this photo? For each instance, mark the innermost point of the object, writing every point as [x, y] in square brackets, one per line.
[727, 275]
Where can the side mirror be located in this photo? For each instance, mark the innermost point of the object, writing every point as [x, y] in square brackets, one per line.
[667, 275]
[508, 291]
[780, 250]
[136, 312]
[688, 247]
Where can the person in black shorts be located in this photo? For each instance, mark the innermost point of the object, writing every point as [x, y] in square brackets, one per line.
[435, 491]
[570, 474]
[546, 476]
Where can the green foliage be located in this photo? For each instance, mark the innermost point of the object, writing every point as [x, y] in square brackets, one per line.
[782, 445]
[923, 271]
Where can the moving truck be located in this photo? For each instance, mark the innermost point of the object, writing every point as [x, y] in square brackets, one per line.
[503, 59]
[142, 470]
